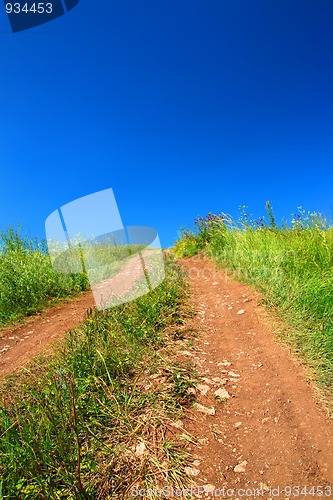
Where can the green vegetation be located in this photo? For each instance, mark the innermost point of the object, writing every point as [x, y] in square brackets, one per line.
[91, 421]
[28, 281]
[98, 259]
[291, 265]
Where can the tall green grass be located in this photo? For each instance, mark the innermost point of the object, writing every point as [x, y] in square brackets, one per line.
[72, 426]
[290, 264]
[28, 281]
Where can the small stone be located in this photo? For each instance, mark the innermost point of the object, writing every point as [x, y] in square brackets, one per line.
[224, 363]
[190, 471]
[203, 388]
[238, 424]
[233, 374]
[204, 409]
[241, 467]
[197, 462]
[222, 393]
[140, 449]
[241, 311]
[207, 380]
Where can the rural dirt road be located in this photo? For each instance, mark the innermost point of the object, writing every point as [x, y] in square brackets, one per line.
[265, 429]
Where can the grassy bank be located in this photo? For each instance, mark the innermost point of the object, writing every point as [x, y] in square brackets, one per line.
[92, 421]
[291, 265]
[28, 281]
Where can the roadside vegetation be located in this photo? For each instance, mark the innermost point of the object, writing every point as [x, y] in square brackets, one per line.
[290, 264]
[98, 418]
[28, 282]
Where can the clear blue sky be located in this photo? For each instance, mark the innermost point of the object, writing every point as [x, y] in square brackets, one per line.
[182, 107]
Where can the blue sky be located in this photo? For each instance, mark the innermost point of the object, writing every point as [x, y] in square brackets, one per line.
[182, 107]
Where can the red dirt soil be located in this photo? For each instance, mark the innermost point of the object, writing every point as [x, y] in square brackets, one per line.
[272, 431]
[20, 344]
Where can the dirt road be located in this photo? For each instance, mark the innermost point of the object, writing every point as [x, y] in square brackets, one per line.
[264, 428]
[267, 429]
[19, 345]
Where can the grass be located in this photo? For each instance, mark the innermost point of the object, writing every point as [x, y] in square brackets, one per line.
[94, 420]
[291, 265]
[28, 281]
